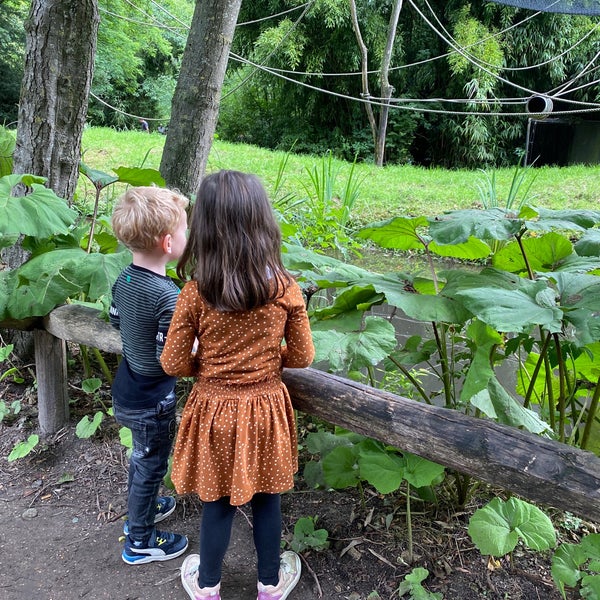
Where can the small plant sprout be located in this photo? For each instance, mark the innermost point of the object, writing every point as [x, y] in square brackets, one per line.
[412, 585]
[306, 537]
[22, 449]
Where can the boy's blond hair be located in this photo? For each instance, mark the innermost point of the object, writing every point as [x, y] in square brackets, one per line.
[143, 215]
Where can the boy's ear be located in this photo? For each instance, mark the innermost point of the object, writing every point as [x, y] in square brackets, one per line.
[166, 243]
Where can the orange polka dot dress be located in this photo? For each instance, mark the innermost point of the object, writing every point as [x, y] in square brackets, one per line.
[237, 435]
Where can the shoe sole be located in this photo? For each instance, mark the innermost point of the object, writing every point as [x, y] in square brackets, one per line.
[142, 560]
[296, 579]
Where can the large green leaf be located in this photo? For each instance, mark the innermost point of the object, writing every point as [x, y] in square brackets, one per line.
[545, 219]
[41, 283]
[420, 472]
[589, 243]
[496, 403]
[354, 350]
[543, 253]
[382, 470]
[137, 176]
[357, 297]
[100, 179]
[47, 280]
[514, 310]
[41, 213]
[340, 467]
[482, 338]
[399, 233]
[472, 249]
[458, 226]
[423, 307]
[97, 272]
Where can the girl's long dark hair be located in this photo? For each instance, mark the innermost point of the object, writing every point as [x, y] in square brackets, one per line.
[234, 246]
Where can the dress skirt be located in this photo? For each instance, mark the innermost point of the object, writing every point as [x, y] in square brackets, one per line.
[236, 440]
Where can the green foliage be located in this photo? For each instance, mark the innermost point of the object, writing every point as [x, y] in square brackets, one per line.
[12, 371]
[5, 410]
[521, 183]
[69, 257]
[578, 566]
[87, 427]
[413, 585]
[137, 60]
[306, 537]
[320, 218]
[22, 449]
[12, 40]
[497, 528]
[7, 148]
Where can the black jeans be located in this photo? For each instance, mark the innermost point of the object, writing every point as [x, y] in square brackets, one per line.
[153, 431]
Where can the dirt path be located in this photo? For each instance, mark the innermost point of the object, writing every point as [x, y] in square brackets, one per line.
[60, 523]
[61, 540]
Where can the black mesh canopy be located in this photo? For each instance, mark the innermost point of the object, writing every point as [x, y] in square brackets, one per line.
[573, 7]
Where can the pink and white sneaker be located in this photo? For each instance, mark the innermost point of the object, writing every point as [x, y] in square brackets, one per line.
[289, 575]
[189, 579]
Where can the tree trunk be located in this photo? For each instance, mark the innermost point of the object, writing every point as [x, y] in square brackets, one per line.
[364, 68]
[59, 63]
[386, 89]
[195, 106]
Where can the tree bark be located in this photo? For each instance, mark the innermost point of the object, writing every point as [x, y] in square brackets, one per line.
[195, 105]
[60, 48]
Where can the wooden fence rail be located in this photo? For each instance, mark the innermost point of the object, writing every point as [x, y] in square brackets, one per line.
[534, 467]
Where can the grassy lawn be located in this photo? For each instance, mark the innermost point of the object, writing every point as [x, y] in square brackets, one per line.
[385, 192]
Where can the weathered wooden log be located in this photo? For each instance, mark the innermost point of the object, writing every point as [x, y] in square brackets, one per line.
[83, 325]
[537, 468]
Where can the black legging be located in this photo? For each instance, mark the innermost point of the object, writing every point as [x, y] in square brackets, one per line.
[215, 533]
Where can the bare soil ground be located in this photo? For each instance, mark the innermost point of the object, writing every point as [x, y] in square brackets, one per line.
[61, 511]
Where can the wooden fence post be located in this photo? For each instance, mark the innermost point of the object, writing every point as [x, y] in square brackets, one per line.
[51, 373]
